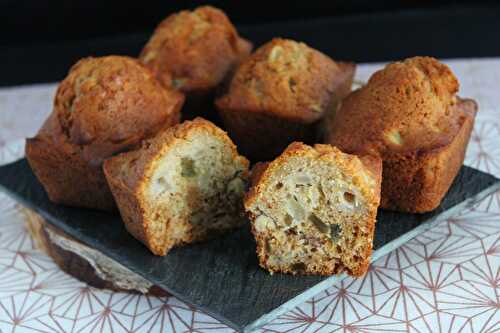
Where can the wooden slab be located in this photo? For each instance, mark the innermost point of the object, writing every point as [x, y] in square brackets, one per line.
[222, 276]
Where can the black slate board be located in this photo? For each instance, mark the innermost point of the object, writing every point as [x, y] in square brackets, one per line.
[222, 276]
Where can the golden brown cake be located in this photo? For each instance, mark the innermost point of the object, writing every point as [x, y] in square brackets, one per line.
[409, 114]
[313, 210]
[184, 185]
[194, 51]
[279, 95]
[104, 106]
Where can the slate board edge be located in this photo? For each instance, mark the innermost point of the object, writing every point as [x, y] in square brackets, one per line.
[384, 250]
[50, 218]
[316, 289]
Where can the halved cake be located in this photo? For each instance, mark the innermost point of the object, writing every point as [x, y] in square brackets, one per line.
[181, 186]
[313, 210]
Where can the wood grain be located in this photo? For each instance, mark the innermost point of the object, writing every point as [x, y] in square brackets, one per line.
[82, 262]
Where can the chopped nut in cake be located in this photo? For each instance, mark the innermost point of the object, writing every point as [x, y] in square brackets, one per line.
[182, 186]
[313, 210]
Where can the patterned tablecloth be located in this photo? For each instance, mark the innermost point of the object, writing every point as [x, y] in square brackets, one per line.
[446, 280]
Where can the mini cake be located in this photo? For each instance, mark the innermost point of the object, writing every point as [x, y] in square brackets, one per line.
[194, 51]
[181, 186]
[279, 95]
[409, 114]
[313, 210]
[104, 106]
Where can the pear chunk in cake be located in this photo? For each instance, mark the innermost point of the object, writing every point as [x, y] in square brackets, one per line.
[182, 186]
[313, 210]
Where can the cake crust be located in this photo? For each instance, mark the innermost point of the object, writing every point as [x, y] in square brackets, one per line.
[420, 179]
[279, 95]
[104, 106]
[194, 51]
[409, 114]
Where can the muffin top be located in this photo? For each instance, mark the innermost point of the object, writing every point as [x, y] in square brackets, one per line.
[407, 105]
[283, 78]
[106, 104]
[194, 50]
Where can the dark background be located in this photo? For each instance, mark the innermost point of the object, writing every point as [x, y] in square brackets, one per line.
[39, 40]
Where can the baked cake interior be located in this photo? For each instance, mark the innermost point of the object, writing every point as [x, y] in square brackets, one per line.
[195, 188]
[313, 219]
